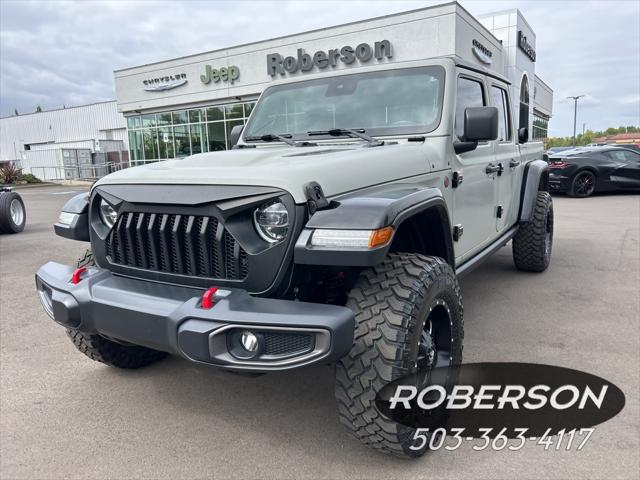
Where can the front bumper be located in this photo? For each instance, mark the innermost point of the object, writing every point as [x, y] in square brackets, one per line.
[170, 318]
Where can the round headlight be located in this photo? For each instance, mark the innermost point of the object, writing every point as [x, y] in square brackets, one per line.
[272, 221]
[108, 215]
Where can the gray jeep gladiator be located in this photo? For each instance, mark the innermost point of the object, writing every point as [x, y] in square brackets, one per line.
[334, 232]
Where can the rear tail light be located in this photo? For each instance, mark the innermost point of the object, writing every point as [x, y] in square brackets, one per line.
[558, 164]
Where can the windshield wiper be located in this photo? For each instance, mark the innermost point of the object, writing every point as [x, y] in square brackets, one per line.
[341, 132]
[286, 138]
[270, 137]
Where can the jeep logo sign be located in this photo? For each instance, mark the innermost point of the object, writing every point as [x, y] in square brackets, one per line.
[224, 74]
[305, 62]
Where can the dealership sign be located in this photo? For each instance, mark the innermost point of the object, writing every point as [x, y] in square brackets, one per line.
[481, 52]
[167, 82]
[277, 64]
[525, 46]
[224, 74]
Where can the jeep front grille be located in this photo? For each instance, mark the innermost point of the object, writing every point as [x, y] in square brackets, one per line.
[183, 244]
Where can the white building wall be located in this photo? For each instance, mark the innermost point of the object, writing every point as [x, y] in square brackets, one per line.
[505, 26]
[72, 127]
[543, 97]
[441, 30]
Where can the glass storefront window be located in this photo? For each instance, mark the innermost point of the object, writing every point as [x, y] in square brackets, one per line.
[196, 116]
[165, 142]
[135, 145]
[179, 117]
[185, 131]
[150, 144]
[540, 127]
[164, 118]
[148, 120]
[181, 138]
[230, 126]
[133, 122]
[198, 138]
[215, 113]
[217, 139]
[234, 111]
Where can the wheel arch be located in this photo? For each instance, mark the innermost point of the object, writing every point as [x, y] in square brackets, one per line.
[535, 179]
[426, 231]
[418, 215]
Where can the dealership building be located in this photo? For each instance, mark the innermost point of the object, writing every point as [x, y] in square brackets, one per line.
[189, 105]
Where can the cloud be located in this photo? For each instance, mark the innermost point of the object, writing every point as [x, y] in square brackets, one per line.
[55, 53]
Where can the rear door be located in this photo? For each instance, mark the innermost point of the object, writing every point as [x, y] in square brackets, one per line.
[507, 158]
[474, 199]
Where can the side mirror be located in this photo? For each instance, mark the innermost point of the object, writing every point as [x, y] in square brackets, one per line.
[523, 135]
[234, 136]
[480, 124]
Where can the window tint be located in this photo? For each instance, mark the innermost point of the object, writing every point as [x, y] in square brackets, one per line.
[624, 156]
[390, 102]
[470, 94]
[501, 103]
[524, 103]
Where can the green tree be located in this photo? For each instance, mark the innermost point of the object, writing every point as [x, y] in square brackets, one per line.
[38, 108]
[15, 112]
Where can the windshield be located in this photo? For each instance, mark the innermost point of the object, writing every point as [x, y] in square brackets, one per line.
[390, 102]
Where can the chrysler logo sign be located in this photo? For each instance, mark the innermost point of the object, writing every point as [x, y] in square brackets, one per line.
[482, 53]
[277, 64]
[167, 82]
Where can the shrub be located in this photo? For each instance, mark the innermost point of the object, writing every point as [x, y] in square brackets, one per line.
[10, 173]
[30, 178]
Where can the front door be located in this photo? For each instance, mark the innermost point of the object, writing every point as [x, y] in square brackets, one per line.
[627, 170]
[474, 199]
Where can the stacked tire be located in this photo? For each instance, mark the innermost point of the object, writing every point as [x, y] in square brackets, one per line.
[13, 216]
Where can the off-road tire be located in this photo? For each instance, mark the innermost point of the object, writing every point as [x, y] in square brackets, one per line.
[7, 224]
[107, 351]
[533, 243]
[391, 303]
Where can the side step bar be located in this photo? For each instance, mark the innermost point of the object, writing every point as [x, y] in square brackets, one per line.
[471, 264]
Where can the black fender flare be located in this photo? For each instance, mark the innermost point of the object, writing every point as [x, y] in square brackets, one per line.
[78, 229]
[389, 205]
[535, 179]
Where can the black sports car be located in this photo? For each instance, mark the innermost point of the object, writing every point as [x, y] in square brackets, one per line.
[583, 171]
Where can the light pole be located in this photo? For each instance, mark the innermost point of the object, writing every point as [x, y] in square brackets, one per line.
[575, 115]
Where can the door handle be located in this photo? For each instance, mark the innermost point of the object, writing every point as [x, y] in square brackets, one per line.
[513, 163]
[491, 168]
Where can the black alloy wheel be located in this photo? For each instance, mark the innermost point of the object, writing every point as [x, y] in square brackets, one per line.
[584, 184]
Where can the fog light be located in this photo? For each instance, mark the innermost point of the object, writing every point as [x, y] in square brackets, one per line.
[249, 341]
[245, 344]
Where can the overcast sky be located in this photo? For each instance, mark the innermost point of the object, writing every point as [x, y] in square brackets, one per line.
[64, 53]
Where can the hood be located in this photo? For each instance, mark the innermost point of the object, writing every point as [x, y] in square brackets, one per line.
[337, 168]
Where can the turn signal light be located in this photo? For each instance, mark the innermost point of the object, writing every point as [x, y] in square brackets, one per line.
[380, 236]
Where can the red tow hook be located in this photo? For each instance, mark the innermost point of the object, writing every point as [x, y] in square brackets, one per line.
[77, 274]
[207, 298]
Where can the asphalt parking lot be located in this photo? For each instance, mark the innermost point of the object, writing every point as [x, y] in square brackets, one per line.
[64, 416]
